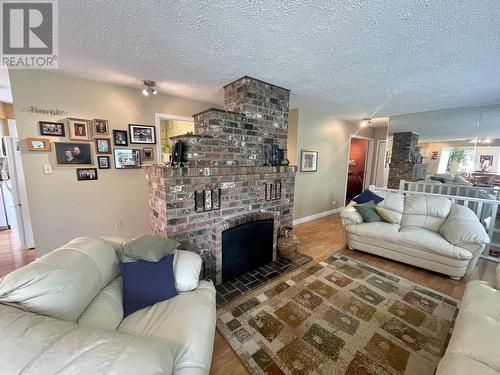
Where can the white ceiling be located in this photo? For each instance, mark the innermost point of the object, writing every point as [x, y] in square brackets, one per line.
[351, 59]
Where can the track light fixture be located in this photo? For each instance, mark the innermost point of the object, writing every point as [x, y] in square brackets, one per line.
[150, 88]
[366, 122]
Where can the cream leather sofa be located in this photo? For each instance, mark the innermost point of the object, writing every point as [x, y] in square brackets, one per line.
[473, 347]
[63, 314]
[430, 233]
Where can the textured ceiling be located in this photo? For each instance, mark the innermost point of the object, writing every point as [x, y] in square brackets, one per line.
[351, 58]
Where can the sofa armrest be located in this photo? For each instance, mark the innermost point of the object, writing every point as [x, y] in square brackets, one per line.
[462, 227]
[187, 269]
[350, 216]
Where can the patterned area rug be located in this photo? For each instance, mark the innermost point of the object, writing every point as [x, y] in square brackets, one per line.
[339, 316]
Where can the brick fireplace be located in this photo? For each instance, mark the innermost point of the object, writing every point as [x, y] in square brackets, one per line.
[225, 157]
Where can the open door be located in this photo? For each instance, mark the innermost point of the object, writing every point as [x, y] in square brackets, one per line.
[359, 166]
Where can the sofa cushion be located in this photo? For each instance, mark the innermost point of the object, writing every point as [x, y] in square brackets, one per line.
[461, 364]
[476, 337]
[367, 196]
[187, 269]
[392, 201]
[427, 240]
[463, 227]
[37, 344]
[185, 325]
[378, 230]
[148, 247]
[62, 283]
[146, 283]
[368, 212]
[426, 211]
[106, 309]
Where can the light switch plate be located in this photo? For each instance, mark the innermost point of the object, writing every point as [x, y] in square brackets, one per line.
[47, 169]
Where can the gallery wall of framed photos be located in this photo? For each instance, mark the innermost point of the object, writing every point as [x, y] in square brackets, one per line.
[61, 207]
[92, 142]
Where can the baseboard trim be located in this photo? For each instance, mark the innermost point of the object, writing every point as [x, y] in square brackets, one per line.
[305, 219]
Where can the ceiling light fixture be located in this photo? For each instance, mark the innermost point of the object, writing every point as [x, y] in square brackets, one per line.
[150, 88]
[366, 122]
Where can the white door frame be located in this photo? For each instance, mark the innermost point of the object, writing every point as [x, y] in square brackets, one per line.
[368, 163]
[19, 193]
[166, 116]
[375, 176]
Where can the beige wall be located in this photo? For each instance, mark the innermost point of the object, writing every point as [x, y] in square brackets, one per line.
[61, 207]
[293, 125]
[330, 136]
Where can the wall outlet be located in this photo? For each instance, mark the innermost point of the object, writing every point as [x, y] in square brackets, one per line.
[47, 169]
[333, 203]
[118, 224]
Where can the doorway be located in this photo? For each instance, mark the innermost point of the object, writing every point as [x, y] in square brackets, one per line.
[359, 166]
[381, 165]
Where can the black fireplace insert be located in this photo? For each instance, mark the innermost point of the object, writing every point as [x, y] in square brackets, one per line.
[246, 247]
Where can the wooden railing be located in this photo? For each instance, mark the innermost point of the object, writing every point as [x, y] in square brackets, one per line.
[477, 205]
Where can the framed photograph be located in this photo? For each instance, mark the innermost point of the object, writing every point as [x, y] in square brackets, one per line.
[103, 162]
[100, 127]
[147, 154]
[52, 129]
[86, 174]
[120, 138]
[79, 129]
[308, 161]
[71, 153]
[142, 134]
[38, 144]
[127, 158]
[485, 162]
[103, 146]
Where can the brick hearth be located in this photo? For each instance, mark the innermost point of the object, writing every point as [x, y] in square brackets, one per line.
[226, 154]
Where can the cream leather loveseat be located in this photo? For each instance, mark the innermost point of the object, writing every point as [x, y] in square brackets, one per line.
[63, 314]
[430, 233]
[473, 348]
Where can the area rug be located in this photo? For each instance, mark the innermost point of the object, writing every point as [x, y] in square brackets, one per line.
[339, 316]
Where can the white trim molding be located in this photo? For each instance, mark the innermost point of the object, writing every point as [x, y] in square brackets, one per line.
[319, 215]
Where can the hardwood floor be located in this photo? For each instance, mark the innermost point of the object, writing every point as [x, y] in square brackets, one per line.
[326, 236]
[12, 256]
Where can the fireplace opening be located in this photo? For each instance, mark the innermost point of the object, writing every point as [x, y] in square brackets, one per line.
[246, 247]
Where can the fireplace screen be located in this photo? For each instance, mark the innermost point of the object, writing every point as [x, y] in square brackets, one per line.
[246, 247]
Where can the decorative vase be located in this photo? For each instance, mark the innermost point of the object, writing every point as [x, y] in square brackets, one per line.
[288, 243]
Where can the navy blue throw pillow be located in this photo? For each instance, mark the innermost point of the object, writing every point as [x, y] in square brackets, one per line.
[367, 196]
[146, 283]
